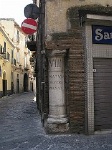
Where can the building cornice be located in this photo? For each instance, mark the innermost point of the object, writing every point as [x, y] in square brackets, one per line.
[6, 36]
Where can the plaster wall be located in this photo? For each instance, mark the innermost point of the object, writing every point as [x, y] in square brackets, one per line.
[7, 24]
[5, 63]
[56, 20]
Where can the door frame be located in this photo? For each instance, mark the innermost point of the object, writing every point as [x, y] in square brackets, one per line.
[92, 51]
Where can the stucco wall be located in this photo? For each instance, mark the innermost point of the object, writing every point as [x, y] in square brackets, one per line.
[8, 26]
[56, 20]
[5, 63]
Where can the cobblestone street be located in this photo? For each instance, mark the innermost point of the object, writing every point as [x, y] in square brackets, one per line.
[21, 129]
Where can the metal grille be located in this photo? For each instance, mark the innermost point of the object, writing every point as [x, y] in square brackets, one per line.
[103, 93]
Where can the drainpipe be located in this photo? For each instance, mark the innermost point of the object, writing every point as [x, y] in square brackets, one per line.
[43, 56]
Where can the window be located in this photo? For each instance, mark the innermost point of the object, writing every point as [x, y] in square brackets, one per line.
[17, 36]
[15, 62]
[18, 57]
[4, 48]
[25, 61]
[12, 76]
[0, 49]
[12, 54]
[0, 71]
[17, 76]
[8, 56]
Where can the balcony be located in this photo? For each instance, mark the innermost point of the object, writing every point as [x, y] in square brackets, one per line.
[31, 59]
[3, 54]
[27, 67]
[21, 67]
[32, 64]
[31, 43]
[34, 74]
[17, 66]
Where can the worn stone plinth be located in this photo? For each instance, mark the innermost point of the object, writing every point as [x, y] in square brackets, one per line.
[56, 125]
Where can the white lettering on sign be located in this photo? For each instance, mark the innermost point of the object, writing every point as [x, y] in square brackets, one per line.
[102, 35]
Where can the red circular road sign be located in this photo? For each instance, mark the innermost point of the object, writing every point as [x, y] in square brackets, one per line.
[29, 26]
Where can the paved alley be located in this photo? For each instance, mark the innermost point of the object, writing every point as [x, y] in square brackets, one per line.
[21, 129]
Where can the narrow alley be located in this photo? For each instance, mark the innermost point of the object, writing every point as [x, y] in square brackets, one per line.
[21, 129]
[19, 122]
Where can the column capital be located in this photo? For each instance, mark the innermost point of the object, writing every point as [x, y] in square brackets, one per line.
[54, 53]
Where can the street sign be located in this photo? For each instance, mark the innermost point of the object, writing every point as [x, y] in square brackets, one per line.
[29, 26]
[31, 11]
[101, 34]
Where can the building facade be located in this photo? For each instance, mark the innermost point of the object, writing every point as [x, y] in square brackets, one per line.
[6, 46]
[21, 72]
[75, 44]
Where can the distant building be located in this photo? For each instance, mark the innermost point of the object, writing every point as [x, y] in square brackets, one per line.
[21, 72]
[6, 47]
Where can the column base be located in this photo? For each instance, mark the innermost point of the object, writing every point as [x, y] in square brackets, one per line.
[57, 125]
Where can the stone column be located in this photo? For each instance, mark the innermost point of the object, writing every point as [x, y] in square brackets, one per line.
[57, 119]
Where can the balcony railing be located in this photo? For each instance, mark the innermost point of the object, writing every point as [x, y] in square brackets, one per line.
[31, 59]
[3, 54]
[31, 43]
[27, 67]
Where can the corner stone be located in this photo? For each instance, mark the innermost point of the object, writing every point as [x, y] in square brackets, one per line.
[57, 125]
